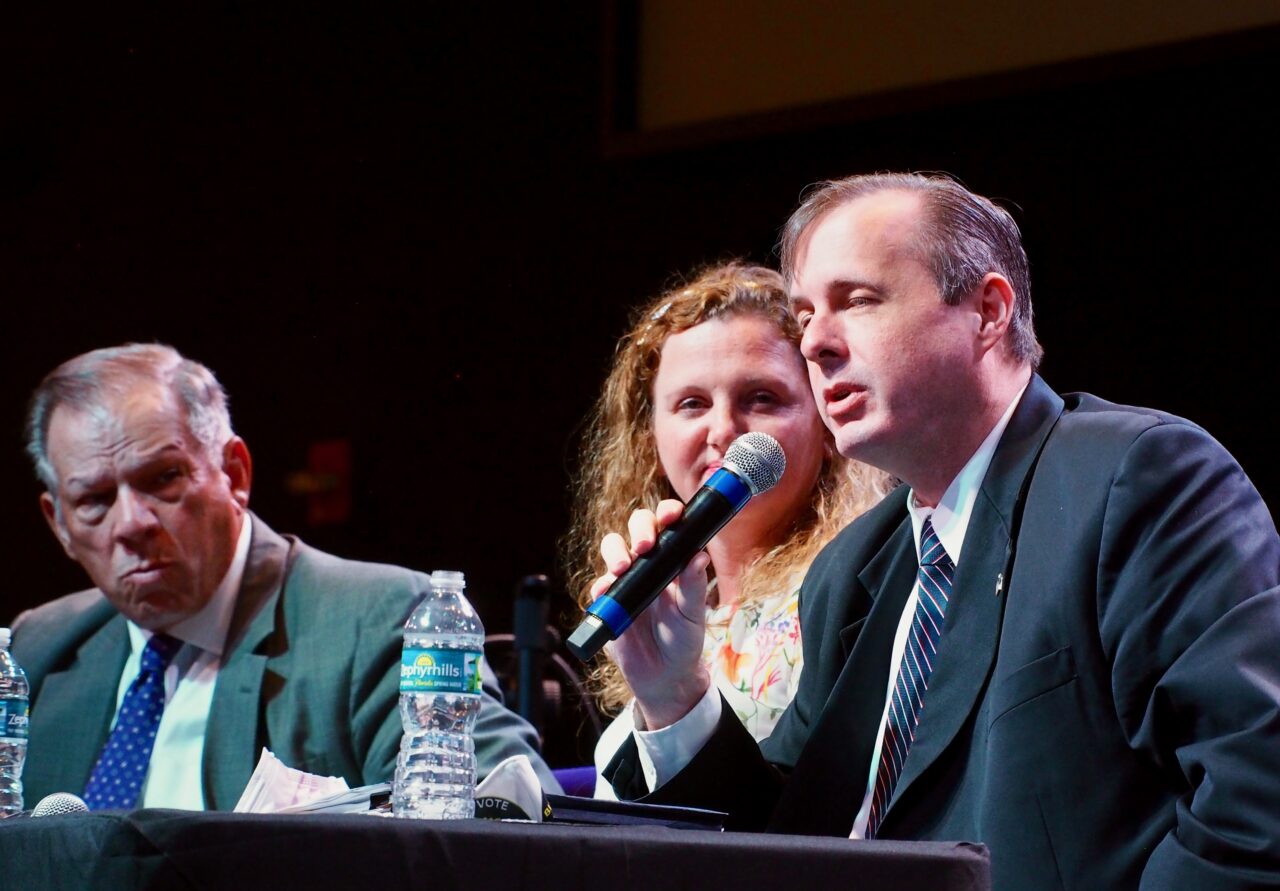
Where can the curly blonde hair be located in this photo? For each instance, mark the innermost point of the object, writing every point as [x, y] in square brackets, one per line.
[620, 471]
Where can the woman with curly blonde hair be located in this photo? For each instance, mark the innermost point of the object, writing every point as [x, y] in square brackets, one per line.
[703, 364]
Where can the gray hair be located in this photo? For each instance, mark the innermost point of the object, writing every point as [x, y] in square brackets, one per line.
[85, 381]
[964, 236]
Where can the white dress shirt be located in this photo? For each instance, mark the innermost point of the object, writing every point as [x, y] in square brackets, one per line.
[664, 753]
[174, 776]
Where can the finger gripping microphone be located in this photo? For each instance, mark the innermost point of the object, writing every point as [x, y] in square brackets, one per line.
[752, 465]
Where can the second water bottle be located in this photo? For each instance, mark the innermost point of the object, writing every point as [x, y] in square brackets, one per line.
[439, 701]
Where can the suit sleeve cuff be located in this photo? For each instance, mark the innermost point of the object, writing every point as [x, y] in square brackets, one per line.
[664, 753]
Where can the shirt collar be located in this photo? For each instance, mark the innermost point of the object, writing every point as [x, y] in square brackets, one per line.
[207, 629]
[951, 516]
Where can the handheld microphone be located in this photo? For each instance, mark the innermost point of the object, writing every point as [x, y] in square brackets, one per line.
[753, 464]
[58, 803]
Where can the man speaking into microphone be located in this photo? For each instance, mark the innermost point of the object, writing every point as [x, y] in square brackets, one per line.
[207, 636]
[1058, 638]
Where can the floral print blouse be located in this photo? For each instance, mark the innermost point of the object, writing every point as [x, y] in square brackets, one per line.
[754, 656]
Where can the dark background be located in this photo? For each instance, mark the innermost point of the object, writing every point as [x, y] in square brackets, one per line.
[418, 228]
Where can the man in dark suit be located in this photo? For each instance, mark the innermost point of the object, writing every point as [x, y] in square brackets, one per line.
[273, 643]
[1058, 637]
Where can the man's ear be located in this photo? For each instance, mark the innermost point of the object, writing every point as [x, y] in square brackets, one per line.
[994, 301]
[50, 511]
[237, 464]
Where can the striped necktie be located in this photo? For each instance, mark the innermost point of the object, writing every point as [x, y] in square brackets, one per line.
[933, 585]
[117, 778]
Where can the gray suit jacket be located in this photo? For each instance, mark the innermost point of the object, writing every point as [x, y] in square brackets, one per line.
[311, 672]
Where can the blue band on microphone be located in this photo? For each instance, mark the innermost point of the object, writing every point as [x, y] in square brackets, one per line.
[607, 610]
[724, 482]
[728, 484]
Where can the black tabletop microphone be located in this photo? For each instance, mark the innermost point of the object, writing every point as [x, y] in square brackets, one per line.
[753, 464]
[533, 596]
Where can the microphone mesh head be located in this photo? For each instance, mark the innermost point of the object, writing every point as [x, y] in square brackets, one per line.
[59, 803]
[758, 459]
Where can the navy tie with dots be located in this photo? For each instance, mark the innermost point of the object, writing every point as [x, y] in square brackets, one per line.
[117, 777]
[934, 584]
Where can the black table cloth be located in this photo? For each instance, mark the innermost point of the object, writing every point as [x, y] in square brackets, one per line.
[186, 850]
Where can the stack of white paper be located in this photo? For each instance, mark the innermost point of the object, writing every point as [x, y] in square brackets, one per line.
[349, 801]
[276, 787]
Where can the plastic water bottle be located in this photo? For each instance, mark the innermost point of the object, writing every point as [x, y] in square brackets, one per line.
[439, 701]
[13, 728]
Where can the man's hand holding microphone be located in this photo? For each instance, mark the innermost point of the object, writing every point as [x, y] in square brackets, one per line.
[664, 565]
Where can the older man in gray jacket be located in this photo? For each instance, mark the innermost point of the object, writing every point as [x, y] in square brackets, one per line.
[208, 636]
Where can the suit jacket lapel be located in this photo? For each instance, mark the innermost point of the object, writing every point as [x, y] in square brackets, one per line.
[838, 754]
[968, 648]
[234, 733]
[82, 696]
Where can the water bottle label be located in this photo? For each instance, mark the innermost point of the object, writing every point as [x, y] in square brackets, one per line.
[13, 718]
[440, 671]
